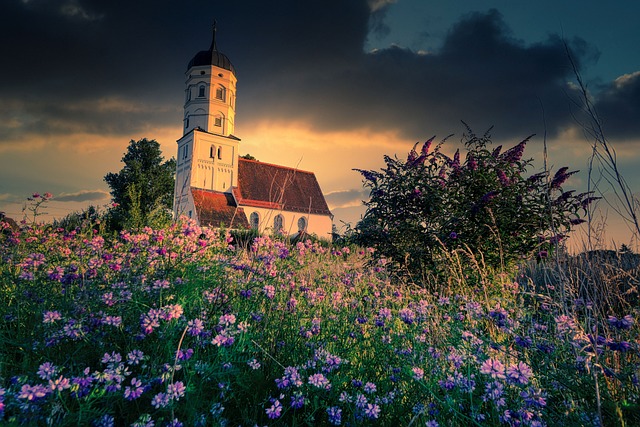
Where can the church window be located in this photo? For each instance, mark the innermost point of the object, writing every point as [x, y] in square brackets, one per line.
[201, 91]
[254, 220]
[278, 224]
[221, 93]
[186, 122]
[212, 151]
[302, 225]
[219, 153]
[218, 121]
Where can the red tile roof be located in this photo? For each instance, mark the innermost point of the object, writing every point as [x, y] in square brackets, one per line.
[278, 187]
[217, 209]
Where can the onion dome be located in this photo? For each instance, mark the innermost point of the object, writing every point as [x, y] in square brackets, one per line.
[212, 57]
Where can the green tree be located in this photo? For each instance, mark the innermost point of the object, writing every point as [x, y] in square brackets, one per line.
[142, 192]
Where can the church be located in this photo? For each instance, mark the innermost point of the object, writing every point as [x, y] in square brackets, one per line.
[217, 187]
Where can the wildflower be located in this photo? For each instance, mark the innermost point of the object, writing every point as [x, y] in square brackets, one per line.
[370, 388]
[274, 410]
[195, 327]
[269, 291]
[223, 339]
[520, 373]
[372, 411]
[176, 390]
[47, 370]
[493, 367]
[319, 381]
[335, 415]
[160, 400]
[624, 323]
[418, 373]
[30, 393]
[171, 312]
[134, 391]
[175, 423]
[135, 357]
[432, 423]
[291, 378]
[59, 384]
[525, 342]
[184, 354]
[104, 421]
[297, 400]
[227, 319]
[407, 316]
[253, 364]
[619, 346]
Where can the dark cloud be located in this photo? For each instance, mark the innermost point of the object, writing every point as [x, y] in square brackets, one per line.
[618, 107]
[296, 60]
[82, 196]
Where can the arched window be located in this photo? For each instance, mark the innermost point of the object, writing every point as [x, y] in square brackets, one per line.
[201, 91]
[278, 224]
[221, 93]
[212, 151]
[302, 224]
[218, 121]
[219, 153]
[254, 220]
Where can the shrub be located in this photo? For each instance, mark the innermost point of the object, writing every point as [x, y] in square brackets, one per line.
[428, 205]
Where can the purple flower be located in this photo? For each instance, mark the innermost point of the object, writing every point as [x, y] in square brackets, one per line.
[59, 384]
[624, 323]
[274, 410]
[335, 415]
[134, 391]
[370, 388]
[195, 327]
[160, 400]
[297, 401]
[47, 370]
[493, 367]
[135, 357]
[320, 381]
[51, 316]
[176, 390]
[407, 316]
[372, 411]
[291, 378]
[30, 393]
[520, 373]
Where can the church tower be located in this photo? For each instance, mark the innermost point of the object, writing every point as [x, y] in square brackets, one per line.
[208, 151]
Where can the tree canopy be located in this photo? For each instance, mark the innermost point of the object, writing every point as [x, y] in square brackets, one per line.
[143, 188]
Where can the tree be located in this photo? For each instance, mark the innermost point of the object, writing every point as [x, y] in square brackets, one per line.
[142, 192]
[422, 208]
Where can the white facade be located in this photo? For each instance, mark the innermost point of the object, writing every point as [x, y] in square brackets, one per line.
[290, 223]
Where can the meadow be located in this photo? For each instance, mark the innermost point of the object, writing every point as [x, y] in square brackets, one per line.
[184, 326]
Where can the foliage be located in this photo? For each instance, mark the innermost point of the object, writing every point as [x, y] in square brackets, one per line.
[248, 157]
[142, 191]
[424, 207]
[174, 326]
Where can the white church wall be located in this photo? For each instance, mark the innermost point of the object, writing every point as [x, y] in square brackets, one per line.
[320, 225]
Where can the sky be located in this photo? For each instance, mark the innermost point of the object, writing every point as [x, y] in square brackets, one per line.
[326, 86]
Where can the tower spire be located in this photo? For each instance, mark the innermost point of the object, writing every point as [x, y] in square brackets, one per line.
[213, 47]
